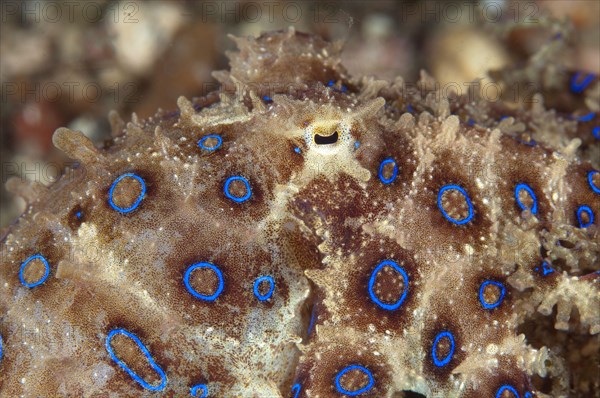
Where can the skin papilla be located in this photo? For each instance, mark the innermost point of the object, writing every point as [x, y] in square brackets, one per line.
[307, 233]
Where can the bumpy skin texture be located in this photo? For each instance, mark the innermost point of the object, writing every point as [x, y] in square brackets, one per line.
[375, 290]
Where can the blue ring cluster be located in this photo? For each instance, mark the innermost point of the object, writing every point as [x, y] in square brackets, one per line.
[258, 281]
[524, 187]
[137, 201]
[401, 271]
[123, 365]
[446, 360]
[202, 388]
[217, 271]
[235, 198]
[578, 87]
[42, 279]
[347, 369]
[495, 304]
[296, 390]
[585, 209]
[460, 189]
[506, 387]
[386, 161]
[213, 148]
[590, 178]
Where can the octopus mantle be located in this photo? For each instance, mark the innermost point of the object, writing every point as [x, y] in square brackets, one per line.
[305, 233]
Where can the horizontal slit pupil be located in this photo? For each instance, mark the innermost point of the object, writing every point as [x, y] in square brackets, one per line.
[324, 140]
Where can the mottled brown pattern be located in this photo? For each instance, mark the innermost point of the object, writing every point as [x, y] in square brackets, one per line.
[320, 220]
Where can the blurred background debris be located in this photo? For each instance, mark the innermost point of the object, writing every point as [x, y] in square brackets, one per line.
[66, 63]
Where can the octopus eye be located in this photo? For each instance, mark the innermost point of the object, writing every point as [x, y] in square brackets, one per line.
[326, 140]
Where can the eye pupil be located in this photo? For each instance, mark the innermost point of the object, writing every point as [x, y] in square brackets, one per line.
[325, 140]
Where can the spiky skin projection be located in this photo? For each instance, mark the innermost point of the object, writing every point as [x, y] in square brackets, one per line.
[398, 250]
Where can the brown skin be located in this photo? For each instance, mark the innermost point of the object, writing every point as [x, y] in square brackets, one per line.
[319, 221]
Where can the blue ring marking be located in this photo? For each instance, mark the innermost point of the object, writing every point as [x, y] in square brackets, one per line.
[42, 279]
[596, 132]
[311, 323]
[399, 269]
[531, 142]
[235, 198]
[258, 281]
[356, 144]
[331, 83]
[267, 98]
[590, 178]
[297, 150]
[590, 213]
[144, 349]
[217, 271]
[206, 137]
[578, 87]
[546, 268]
[585, 118]
[506, 387]
[78, 214]
[467, 199]
[139, 198]
[203, 388]
[1, 347]
[347, 369]
[522, 186]
[442, 362]
[495, 304]
[296, 390]
[387, 181]
[471, 122]
[528, 395]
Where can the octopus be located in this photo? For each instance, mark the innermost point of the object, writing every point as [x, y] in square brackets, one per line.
[302, 232]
